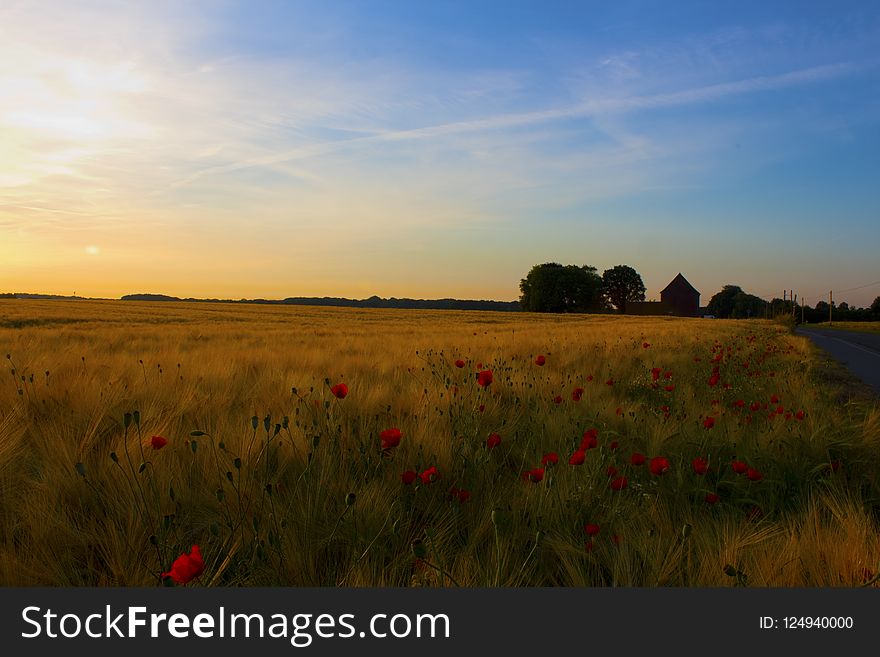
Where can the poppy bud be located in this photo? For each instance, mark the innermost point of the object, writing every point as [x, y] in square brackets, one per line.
[171, 493]
[126, 420]
[137, 418]
[418, 549]
[349, 499]
[316, 440]
[255, 421]
[114, 457]
[229, 475]
[81, 469]
[237, 463]
[196, 433]
[285, 422]
[214, 528]
[220, 495]
[154, 540]
[142, 467]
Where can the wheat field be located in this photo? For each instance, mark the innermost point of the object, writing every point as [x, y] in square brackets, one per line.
[282, 482]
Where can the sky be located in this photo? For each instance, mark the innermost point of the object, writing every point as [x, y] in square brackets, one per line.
[437, 149]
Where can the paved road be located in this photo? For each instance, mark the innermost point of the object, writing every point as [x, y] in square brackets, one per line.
[860, 352]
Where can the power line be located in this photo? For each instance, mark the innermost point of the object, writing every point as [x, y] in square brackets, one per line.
[861, 287]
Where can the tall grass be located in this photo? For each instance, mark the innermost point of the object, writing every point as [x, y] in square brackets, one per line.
[281, 483]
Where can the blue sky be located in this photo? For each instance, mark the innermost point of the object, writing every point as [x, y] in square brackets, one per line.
[437, 149]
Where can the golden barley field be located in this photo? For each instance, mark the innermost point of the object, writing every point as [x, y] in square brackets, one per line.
[642, 452]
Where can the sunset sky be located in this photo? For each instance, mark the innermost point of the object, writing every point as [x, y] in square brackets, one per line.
[436, 149]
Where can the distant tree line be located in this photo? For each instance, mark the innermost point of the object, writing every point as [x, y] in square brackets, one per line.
[556, 288]
[731, 302]
[371, 302]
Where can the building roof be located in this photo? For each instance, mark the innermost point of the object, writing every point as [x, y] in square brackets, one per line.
[680, 284]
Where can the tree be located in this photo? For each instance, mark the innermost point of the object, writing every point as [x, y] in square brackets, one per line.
[746, 306]
[555, 288]
[721, 305]
[622, 284]
[875, 308]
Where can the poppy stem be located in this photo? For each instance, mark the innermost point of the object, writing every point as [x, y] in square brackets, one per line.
[442, 573]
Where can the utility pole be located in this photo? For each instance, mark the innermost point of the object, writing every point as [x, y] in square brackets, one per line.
[802, 310]
[830, 306]
[794, 308]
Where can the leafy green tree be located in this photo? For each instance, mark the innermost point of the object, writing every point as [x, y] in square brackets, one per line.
[875, 308]
[721, 305]
[622, 284]
[746, 306]
[556, 288]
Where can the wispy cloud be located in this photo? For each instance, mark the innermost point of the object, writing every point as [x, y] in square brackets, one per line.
[592, 108]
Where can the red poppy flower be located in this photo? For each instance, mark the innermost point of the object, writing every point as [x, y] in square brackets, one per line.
[577, 393]
[669, 388]
[591, 529]
[700, 466]
[550, 458]
[557, 399]
[714, 379]
[408, 477]
[429, 475]
[590, 440]
[739, 467]
[739, 403]
[835, 466]
[534, 475]
[484, 378]
[613, 445]
[655, 373]
[774, 399]
[645, 345]
[799, 415]
[588, 546]
[390, 438]
[459, 363]
[659, 465]
[460, 494]
[618, 411]
[667, 375]
[754, 475]
[618, 484]
[493, 441]
[712, 498]
[540, 360]
[609, 382]
[479, 365]
[482, 408]
[158, 442]
[755, 406]
[709, 422]
[577, 458]
[611, 471]
[340, 390]
[187, 566]
[590, 377]
[637, 459]
[615, 538]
